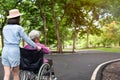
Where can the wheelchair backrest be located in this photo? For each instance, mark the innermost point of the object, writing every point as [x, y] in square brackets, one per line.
[31, 60]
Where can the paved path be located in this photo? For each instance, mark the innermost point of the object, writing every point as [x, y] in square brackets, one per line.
[78, 66]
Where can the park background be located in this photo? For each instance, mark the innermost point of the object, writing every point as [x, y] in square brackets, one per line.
[69, 25]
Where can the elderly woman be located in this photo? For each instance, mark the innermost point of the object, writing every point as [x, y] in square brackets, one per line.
[35, 35]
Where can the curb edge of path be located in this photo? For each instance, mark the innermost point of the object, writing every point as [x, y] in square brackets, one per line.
[97, 72]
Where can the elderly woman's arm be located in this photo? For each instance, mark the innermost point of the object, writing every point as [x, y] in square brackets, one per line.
[45, 49]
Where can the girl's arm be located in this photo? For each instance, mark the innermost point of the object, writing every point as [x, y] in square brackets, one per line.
[26, 38]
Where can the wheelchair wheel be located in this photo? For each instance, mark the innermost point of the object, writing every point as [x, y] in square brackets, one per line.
[44, 72]
[23, 75]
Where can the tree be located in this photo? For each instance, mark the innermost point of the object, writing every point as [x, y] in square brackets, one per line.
[111, 34]
[57, 27]
[82, 16]
[4, 10]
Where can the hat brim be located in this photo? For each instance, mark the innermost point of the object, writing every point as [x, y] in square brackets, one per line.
[13, 16]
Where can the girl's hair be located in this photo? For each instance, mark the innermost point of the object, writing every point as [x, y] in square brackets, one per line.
[15, 20]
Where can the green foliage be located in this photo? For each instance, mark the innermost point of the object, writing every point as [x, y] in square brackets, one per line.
[111, 33]
[31, 15]
[73, 16]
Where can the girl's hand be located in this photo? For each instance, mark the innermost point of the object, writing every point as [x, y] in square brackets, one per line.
[38, 48]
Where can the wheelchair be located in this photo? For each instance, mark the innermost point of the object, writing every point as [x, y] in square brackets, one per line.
[32, 66]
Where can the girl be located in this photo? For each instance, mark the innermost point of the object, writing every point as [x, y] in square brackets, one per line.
[12, 34]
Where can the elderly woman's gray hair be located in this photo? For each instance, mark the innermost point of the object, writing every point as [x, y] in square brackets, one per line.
[34, 34]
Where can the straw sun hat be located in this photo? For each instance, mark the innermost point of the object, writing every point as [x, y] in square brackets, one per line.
[14, 13]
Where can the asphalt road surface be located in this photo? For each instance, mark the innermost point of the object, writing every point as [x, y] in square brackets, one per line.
[77, 66]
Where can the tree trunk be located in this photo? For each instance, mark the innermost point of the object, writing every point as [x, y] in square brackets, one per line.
[87, 40]
[59, 45]
[3, 24]
[119, 43]
[45, 33]
[74, 39]
[1, 37]
[43, 15]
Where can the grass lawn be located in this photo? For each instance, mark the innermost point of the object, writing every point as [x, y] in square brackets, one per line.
[108, 49]
[99, 49]
[114, 49]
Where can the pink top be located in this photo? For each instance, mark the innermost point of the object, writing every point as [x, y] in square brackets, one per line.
[46, 50]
